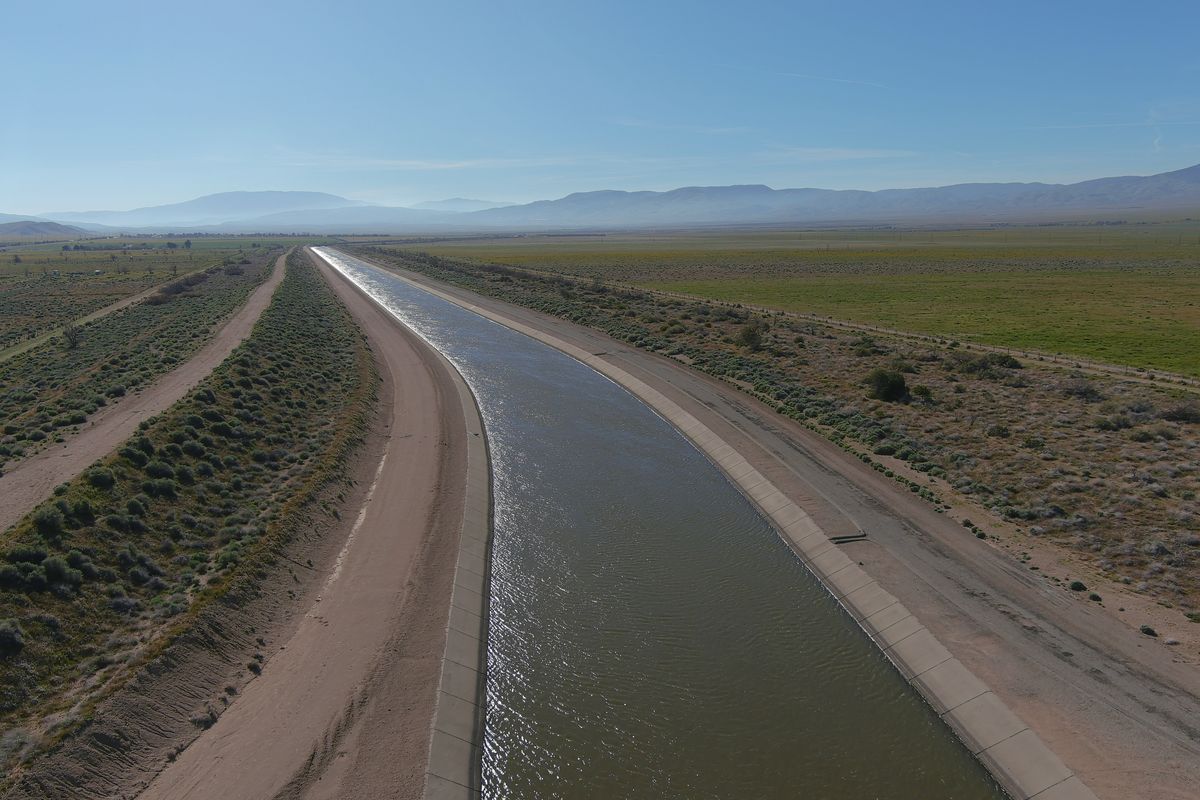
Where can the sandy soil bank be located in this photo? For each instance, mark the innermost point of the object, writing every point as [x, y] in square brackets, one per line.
[31, 481]
[1119, 709]
[344, 708]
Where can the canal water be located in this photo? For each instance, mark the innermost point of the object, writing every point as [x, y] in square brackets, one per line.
[650, 634]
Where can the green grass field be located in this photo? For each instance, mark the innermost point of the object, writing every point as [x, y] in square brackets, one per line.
[1140, 317]
[1126, 294]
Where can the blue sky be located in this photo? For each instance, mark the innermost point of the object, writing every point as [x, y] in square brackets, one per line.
[119, 104]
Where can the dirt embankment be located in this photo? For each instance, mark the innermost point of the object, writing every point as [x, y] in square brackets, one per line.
[344, 708]
[317, 678]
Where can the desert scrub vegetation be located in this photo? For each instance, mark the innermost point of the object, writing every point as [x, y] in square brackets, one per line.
[48, 288]
[1099, 466]
[57, 385]
[34, 305]
[104, 574]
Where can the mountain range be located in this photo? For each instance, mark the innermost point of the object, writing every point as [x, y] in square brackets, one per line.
[316, 212]
[50, 230]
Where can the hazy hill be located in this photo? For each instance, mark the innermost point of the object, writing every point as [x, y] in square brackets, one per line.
[459, 205]
[372, 219]
[29, 227]
[208, 210]
[19, 218]
[701, 205]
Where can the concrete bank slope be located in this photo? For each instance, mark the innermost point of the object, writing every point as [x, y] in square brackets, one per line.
[31, 480]
[456, 739]
[454, 762]
[1015, 754]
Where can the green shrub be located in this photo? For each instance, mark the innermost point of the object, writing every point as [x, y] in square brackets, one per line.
[101, 478]
[26, 554]
[48, 520]
[886, 385]
[1185, 412]
[159, 469]
[82, 510]
[134, 456]
[12, 638]
[59, 571]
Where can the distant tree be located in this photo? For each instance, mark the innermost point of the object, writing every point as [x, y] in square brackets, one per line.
[171, 245]
[887, 385]
[16, 259]
[66, 247]
[71, 336]
[751, 336]
[187, 245]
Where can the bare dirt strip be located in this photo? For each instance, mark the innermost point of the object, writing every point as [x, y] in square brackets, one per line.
[31, 481]
[1122, 710]
[344, 708]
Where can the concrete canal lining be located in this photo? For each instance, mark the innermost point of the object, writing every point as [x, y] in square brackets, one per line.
[456, 739]
[1015, 755]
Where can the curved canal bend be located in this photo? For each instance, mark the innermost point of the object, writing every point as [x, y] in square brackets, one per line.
[650, 634]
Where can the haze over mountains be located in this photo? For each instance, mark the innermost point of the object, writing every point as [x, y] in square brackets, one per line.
[316, 212]
[459, 204]
[212, 209]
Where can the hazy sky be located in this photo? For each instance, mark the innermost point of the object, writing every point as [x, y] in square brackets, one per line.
[111, 105]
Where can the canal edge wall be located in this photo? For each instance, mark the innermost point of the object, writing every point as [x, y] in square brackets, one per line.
[1014, 754]
[453, 768]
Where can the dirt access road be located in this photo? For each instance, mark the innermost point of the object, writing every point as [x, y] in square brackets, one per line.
[1117, 707]
[31, 481]
[344, 709]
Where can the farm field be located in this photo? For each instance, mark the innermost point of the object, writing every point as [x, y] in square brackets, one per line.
[1127, 294]
[1141, 317]
[101, 576]
[56, 385]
